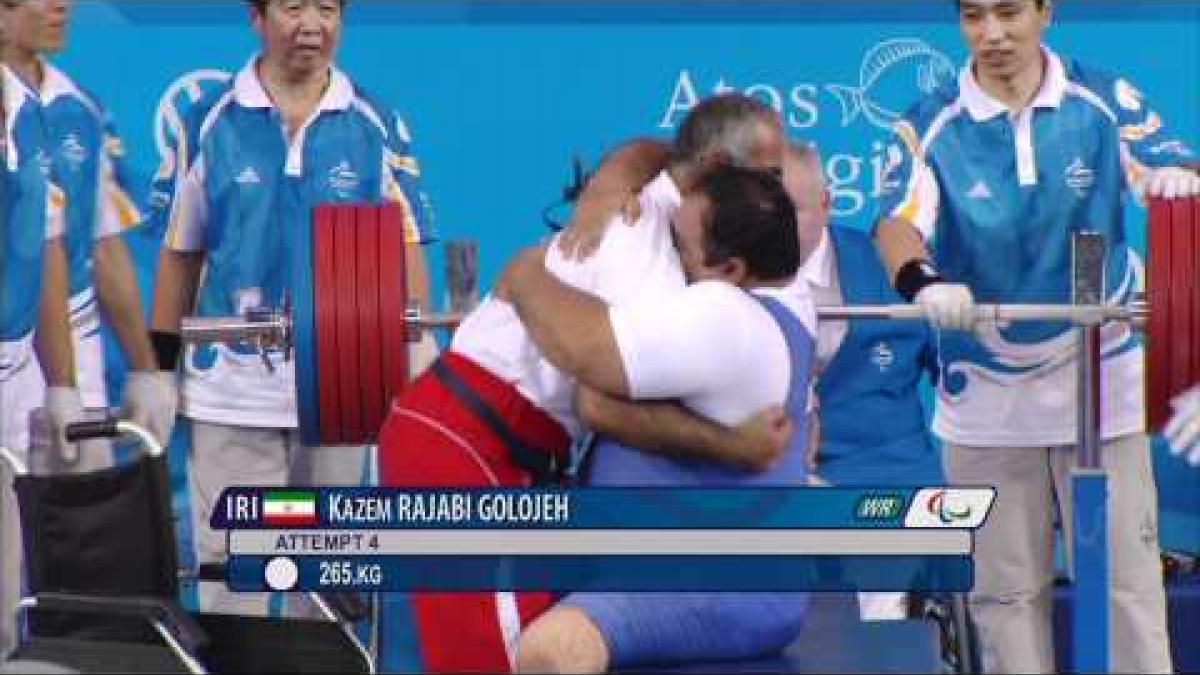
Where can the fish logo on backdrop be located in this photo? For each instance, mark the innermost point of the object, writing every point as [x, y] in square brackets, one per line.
[892, 75]
[885, 79]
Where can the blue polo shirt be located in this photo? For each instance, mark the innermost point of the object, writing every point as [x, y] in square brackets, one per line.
[998, 195]
[240, 191]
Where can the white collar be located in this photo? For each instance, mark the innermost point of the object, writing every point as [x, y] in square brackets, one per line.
[818, 269]
[55, 83]
[982, 106]
[16, 97]
[249, 92]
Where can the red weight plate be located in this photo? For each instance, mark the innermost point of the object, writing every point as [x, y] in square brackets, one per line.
[325, 298]
[1158, 329]
[346, 252]
[393, 300]
[1195, 302]
[369, 332]
[1183, 282]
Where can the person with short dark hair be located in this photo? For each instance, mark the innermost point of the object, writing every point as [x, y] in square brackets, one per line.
[733, 340]
[289, 132]
[436, 436]
[37, 364]
[87, 162]
[998, 170]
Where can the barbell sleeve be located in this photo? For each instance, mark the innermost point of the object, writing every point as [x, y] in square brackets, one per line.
[1080, 314]
[272, 328]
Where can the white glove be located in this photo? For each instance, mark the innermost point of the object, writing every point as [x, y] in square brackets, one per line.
[1183, 431]
[151, 401]
[948, 305]
[1172, 182]
[63, 407]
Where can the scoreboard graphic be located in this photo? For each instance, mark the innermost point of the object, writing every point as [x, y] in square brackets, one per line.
[602, 539]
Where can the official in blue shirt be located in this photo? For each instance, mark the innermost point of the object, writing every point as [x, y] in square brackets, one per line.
[87, 162]
[33, 306]
[867, 369]
[252, 159]
[997, 171]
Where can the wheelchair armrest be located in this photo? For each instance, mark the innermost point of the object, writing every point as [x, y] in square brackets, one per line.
[348, 606]
[181, 625]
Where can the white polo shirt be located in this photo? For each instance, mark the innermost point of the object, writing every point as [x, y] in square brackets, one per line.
[635, 259]
[711, 345]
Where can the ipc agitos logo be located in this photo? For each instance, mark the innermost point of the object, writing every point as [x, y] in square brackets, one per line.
[942, 506]
[961, 508]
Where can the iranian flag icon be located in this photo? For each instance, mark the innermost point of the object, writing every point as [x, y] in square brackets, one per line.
[290, 508]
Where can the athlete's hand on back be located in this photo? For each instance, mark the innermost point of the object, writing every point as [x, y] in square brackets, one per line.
[764, 438]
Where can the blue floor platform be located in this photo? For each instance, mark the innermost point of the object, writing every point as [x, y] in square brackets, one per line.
[835, 641]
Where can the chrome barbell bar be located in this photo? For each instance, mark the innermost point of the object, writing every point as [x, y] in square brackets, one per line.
[1136, 312]
[274, 329]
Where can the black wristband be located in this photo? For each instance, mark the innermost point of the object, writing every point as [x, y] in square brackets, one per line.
[915, 275]
[167, 347]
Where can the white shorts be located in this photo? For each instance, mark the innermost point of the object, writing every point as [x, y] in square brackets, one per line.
[22, 390]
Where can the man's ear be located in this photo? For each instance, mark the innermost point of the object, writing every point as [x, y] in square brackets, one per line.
[734, 271]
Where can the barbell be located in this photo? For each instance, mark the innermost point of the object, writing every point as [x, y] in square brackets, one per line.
[1173, 285]
[349, 343]
[1135, 312]
[342, 325]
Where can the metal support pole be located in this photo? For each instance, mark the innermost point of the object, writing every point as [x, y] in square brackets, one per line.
[1091, 628]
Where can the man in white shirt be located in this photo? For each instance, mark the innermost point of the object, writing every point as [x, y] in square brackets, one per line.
[494, 411]
[734, 340]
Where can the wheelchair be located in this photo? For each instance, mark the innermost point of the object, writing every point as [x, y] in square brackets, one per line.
[103, 583]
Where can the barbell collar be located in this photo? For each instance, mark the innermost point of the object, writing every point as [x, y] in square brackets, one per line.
[417, 321]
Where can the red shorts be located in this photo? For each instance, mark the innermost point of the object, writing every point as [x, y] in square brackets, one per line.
[432, 439]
